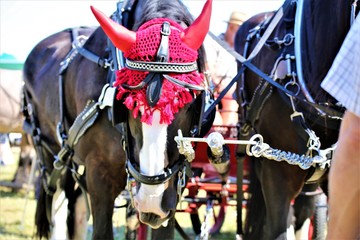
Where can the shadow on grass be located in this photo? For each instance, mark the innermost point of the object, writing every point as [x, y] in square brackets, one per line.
[7, 234]
[6, 192]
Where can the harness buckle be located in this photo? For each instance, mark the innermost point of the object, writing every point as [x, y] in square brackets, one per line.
[296, 114]
[64, 153]
[60, 133]
[58, 164]
[106, 98]
[109, 64]
[162, 54]
[325, 157]
[165, 29]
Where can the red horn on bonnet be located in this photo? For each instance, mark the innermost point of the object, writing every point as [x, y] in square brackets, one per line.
[195, 34]
[120, 36]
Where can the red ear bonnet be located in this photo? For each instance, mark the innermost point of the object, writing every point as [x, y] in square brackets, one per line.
[120, 36]
[142, 46]
[195, 34]
[123, 38]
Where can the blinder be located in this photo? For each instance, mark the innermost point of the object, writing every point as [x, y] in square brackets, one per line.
[205, 123]
[119, 111]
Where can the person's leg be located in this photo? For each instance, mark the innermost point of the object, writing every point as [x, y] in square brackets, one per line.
[344, 182]
[6, 155]
[229, 111]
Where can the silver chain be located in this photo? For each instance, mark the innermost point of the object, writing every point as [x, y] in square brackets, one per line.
[257, 148]
[181, 183]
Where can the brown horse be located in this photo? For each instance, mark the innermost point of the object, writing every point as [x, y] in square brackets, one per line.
[11, 118]
[11, 121]
[123, 133]
[287, 106]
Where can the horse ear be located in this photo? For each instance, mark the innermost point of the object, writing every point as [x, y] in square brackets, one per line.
[194, 35]
[120, 36]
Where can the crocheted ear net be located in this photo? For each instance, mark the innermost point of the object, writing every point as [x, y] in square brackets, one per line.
[173, 97]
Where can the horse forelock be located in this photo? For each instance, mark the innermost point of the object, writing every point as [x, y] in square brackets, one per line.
[172, 9]
[325, 25]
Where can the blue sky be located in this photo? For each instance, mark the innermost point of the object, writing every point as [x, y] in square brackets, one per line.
[23, 23]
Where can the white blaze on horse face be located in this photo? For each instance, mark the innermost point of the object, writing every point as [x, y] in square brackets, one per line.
[152, 162]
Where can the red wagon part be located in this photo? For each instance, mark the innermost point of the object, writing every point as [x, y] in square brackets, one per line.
[218, 194]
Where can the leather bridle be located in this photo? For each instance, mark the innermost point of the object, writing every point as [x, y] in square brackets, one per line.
[157, 72]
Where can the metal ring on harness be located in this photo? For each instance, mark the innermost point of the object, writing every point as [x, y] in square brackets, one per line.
[292, 83]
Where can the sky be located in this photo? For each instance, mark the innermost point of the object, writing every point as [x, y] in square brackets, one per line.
[23, 23]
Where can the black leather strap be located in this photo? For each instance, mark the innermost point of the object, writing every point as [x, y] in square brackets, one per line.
[157, 179]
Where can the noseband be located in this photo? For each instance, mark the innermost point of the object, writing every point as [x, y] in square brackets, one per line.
[157, 72]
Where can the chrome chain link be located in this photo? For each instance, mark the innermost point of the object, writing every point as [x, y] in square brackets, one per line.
[257, 148]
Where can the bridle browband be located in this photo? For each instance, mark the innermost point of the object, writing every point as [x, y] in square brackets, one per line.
[161, 66]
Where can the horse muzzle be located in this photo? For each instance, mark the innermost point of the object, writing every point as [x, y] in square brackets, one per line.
[148, 200]
[155, 204]
[154, 220]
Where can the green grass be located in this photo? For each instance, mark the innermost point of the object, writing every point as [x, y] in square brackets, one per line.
[17, 214]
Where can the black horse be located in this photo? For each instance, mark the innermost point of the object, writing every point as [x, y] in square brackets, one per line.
[94, 138]
[288, 107]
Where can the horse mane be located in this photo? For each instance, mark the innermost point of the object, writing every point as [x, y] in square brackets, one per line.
[324, 27]
[172, 9]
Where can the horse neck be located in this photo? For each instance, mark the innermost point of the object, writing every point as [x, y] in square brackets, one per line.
[325, 24]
